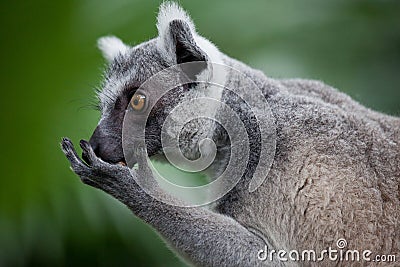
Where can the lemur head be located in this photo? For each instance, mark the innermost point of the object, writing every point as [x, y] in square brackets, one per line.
[129, 67]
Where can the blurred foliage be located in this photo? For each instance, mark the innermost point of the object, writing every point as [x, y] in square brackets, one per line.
[50, 65]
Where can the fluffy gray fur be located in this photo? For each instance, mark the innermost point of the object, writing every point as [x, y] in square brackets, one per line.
[336, 172]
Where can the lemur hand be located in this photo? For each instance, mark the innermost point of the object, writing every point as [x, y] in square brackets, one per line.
[111, 178]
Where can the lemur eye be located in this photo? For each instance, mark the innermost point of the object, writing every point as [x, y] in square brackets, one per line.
[138, 102]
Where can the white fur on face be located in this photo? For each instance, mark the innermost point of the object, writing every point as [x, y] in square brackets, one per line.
[111, 46]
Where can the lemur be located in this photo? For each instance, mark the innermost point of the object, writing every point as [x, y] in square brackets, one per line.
[335, 173]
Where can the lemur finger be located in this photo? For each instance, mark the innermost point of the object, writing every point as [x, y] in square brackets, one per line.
[88, 152]
[77, 165]
[98, 174]
[100, 165]
[93, 160]
[70, 153]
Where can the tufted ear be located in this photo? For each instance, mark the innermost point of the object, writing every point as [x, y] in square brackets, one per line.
[111, 46]
[177, 36]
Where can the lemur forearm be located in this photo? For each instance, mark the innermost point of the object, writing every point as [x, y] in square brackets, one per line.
[205, 237]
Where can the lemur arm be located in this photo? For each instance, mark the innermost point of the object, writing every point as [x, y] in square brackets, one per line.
[205, 237]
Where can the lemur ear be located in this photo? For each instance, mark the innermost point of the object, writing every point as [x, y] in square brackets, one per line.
[186, 49]
[177, 36]
[111, 46]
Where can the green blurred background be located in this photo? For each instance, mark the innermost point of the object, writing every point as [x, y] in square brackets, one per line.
[50, 66]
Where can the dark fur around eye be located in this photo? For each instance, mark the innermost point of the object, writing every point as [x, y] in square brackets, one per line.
[123, 99]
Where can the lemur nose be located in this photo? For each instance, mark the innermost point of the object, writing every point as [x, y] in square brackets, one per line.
[108, 147]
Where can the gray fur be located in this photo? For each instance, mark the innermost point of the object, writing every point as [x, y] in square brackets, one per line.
[336, 172]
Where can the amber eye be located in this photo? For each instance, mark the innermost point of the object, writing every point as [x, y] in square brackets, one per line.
[138, 102]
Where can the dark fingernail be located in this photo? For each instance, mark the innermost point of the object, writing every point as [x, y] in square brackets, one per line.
[84, 144]
[65, 143]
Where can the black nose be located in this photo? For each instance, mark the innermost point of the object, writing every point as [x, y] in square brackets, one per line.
[108, 146]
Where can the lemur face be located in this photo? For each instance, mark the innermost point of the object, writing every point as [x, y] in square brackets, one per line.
[126, 72]
[129, 67]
